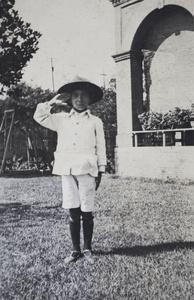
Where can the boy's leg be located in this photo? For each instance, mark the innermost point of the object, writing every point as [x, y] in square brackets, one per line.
[87, 195]
[74, 225]
[70, 192]
[88, 226]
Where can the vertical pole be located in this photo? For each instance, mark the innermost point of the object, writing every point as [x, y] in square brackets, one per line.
[136, 140]
[35, 146]
[7, 142]
[3, 121]
[28, 154]
[103, 74]
[5, 132]
[183, 138]
[163, 139]
[52, 70]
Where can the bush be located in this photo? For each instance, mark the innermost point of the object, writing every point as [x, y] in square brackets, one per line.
[176, 118]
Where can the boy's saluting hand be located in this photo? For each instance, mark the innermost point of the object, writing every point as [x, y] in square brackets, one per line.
[60, 99]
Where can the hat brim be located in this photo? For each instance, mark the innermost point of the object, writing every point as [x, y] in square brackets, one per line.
[94, 91]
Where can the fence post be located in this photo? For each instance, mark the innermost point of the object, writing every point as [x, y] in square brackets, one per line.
[8, 138]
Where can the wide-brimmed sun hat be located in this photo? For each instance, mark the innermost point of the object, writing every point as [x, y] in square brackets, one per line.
[80, 83]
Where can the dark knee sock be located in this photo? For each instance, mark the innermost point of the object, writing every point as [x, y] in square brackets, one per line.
[74, 225]
[88, 226]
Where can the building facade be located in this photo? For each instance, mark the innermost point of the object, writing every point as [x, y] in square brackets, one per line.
[154, 43]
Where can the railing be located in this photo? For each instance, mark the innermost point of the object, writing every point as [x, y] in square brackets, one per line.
[164, 138]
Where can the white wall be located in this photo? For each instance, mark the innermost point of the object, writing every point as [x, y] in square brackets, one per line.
[156, 162]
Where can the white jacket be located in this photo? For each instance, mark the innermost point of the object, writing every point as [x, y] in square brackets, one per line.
[80, 141]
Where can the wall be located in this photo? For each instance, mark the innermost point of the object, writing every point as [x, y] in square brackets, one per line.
[156, 162]
[172, 79]
[172, 67]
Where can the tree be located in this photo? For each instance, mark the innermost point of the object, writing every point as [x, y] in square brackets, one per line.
[23, 99]
[106, 109]
[18, 43]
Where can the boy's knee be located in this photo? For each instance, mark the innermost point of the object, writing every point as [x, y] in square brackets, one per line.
[74, 215]
[74, 219]
[87, 216]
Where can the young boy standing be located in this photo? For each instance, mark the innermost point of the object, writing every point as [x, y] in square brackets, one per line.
[80, 156]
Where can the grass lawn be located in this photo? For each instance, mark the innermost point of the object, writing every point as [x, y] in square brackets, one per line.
[143, 241]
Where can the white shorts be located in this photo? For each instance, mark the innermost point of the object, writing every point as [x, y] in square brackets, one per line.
[78, 191]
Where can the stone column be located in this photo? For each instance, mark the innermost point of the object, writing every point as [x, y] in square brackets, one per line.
[124, 100]
[129, 103]
[129, 95]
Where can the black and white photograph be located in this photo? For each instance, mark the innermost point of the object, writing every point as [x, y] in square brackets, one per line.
[97, 149]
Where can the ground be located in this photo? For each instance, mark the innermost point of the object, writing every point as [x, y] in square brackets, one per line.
[143, 241]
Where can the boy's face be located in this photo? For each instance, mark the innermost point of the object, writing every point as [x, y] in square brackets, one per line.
[80, 100]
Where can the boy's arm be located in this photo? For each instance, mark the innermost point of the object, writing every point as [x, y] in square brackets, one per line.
[43, 115]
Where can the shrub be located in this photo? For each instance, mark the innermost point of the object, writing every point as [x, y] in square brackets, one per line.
[176, 118]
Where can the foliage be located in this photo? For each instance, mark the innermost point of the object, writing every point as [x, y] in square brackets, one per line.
[178, 117]
[110, 167]
[24, 99]
[106, 109]
[18, 43]
[192, 112]
[27, 96]
[150, 120]
[142, 241]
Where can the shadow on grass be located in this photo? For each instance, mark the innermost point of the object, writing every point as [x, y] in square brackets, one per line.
[16, 211]
[150, 249]
[4, 207]
[24, 207]
[26, 174]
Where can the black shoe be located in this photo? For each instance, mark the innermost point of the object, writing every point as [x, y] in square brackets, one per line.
[73, 257]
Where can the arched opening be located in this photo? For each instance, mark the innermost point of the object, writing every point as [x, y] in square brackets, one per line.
[163, 71]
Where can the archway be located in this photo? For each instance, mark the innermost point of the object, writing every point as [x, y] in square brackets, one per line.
[163, 69]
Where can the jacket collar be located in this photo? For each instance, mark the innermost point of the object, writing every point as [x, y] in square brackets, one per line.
[86, 112]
